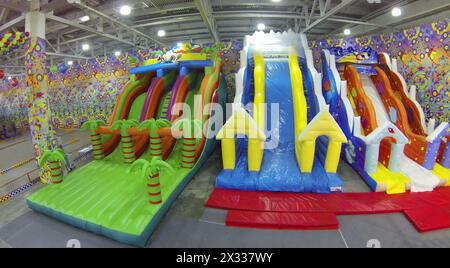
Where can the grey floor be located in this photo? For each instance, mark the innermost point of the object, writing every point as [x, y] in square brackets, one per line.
[189, 224]
[20, 148]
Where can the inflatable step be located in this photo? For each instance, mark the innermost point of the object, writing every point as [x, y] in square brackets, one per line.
[282, 220]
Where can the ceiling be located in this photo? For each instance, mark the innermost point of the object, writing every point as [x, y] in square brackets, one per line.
[202, 20]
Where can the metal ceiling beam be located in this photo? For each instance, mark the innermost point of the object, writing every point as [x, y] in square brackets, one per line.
[112, 20]
[11, 23]
[206, 12]
[88, 29]
[14, 5]
[323, 6]
[73, 40]
[174, 29]
[259, 14]
[217, 15]
[288, 3]
[165, 9]
[53, 5]
[328, 14]
[170, 20]
[357, 22]
[238, 29]
[3, 14]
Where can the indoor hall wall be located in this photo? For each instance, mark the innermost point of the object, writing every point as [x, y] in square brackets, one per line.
[423, 59]
[88, 90]
[13, 105]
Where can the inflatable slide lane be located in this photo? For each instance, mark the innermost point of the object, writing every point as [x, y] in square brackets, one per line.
[128, 106]
[280, 137]
[415, 124]
[377, 144]
[124, 194]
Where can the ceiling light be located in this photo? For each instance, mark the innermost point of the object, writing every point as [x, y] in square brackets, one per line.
[125, 10]
[180, 44]
[85, 47]
[396, 11]
[70, 62]
[347, 32]
[85, 18]
[261, 27]
[161, 33]
[117, 53]
[9, 77]
[276, 1]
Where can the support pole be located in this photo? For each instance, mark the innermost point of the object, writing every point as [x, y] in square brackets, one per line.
[39, 118]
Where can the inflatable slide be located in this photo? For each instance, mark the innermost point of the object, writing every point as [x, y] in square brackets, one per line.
[140, 167]
[414, 124]
[280, 136]
[370, 119]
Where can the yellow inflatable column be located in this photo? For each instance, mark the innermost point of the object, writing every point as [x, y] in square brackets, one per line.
[307, 152]
[241, 123]
[255, 145]
[299, 101]
[255, 154]
[229, 154]
[333, 153]
[323, 124]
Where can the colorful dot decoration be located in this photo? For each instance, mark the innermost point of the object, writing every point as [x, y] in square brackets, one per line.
[11, 41]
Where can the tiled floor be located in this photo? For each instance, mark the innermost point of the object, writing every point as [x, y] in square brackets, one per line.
[190, 224]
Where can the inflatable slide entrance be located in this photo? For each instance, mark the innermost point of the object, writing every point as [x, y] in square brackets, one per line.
[139, 166]
[280, 136]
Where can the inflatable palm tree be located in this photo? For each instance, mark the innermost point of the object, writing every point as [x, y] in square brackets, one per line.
[150, 171]
[96, 139]
[155, 139]
[127, 142]
[55, 159]
[192, 130]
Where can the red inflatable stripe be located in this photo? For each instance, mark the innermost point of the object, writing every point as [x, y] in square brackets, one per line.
[282, 220]
[427, 211]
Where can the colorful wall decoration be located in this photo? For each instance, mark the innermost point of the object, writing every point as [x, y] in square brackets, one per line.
[88, 90]
[423, 59]
[13, 105]
[231, 64]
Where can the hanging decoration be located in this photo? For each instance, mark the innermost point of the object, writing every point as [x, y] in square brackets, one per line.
[11, 41]
[62, 68]
[14, 82]
[54, 69]
[2, 74]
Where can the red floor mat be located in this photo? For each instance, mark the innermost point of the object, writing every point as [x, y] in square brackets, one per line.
[427, 211]
[282, 220]
[429, 219]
